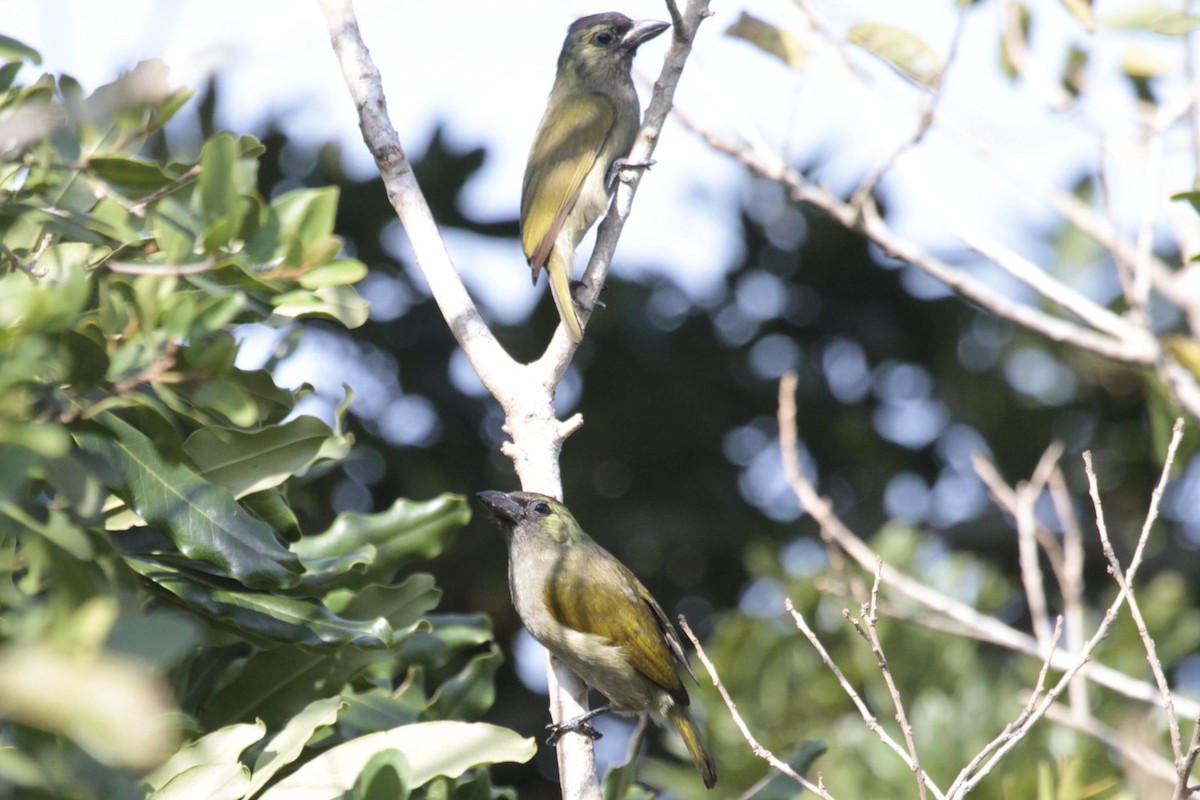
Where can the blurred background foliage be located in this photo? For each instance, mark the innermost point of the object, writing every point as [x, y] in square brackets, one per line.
[676, 470]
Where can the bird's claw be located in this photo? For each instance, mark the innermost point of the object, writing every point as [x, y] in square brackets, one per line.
[576, 288]
[581, 726]
[619, 166]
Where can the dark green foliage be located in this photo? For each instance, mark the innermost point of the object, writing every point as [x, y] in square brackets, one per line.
[158, 586]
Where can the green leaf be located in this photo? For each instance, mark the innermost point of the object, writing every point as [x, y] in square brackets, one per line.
[134, 174]
[275, 684]
[469, 693]
[1082, 11]
[385, 777]
[271, 506]
[770, 39]
[901, 49]
[406, 531]
[54, 301]
[402, 605]
[339, 303]
[218, 193]
[107, 704]
[223, 746]
[287, 620]
[1153, 16]
[12, 50]
[286, 746]
[210, 781]
[431, 748]
[251, 461]
[334, 273]
[201, 518]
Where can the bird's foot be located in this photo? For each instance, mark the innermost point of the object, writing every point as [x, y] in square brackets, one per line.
[556, 731]
[576, 288]
[581, 725]
[620, 166]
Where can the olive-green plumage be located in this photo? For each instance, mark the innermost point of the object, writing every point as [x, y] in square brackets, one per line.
[595, 616]
[590, 122]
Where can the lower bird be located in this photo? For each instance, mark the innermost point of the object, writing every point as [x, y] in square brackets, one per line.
[595, 616]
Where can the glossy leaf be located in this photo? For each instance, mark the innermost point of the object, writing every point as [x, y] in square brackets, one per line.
[339, 303]
[210, 781]
[903, 50]
[12, 50]
[272, 617]
[431, 748]
[385, 777]
[769, 38]
[274, 684]
[251, 461]
[287, 745]
[403, 532]
[201, 518]
[1153, 16]
[223, 746]
[469, 693]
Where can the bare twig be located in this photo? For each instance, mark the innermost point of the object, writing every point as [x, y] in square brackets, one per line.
[138, 206]
[972, 622]
[1135, 752]
[758, 749]
[1137, 346]
[958, 788]
[1182, 789]
[1124, 581]
[1070, 582]
[871, 722]
[870, 615]
[862, 194]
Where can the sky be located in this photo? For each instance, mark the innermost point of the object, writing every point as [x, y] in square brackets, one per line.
[483, 69]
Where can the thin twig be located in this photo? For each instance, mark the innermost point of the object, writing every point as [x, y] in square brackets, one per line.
[871, 722]
[1124, 581]
[1134, 752]
[870, 615]
[957, 788]
[1070, 581]
[973, 623]
[1138, 346]
[758, 749]
[862, 194]
[1182, 790]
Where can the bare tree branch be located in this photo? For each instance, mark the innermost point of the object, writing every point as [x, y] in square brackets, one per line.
[971, 622]
[759, 750]
[869, 614]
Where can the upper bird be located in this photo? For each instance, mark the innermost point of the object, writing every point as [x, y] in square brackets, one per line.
[590, 123]
[596, 617]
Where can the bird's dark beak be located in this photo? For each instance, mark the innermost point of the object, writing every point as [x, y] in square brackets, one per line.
[642, 31]
[500, 505]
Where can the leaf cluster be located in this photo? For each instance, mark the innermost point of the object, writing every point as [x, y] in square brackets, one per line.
[156, 588]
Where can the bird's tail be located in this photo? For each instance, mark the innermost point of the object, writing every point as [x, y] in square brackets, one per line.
[560, 289]
[682, 719]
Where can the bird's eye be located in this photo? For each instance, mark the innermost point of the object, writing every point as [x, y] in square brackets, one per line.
[604, 38]
[541, 508]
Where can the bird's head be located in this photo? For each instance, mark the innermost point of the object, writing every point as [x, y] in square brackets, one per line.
[531, 514]
[603, 45]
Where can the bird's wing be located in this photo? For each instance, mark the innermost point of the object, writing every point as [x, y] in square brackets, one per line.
[609, 601]
[564, 151]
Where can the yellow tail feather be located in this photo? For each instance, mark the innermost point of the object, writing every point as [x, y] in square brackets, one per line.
[695, 744]
[560, 289]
